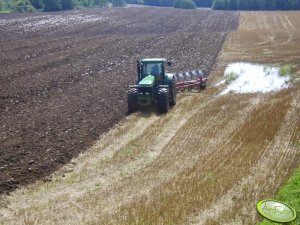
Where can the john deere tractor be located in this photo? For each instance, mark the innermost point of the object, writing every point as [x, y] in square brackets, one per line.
[153, 86]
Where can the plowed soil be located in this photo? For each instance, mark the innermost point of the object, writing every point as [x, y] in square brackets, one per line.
[64, 76]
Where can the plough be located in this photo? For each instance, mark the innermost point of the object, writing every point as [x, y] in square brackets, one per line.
[191, 80]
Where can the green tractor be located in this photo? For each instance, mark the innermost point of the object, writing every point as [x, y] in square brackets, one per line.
[153, 86]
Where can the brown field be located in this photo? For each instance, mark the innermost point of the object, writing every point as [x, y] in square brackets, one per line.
[208, 161]
[64, 76]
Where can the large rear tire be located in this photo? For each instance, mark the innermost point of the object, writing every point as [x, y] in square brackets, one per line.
[163, 100]
[132, 100]
[173, 93]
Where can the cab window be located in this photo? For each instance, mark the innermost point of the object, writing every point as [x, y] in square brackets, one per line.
[153, 69]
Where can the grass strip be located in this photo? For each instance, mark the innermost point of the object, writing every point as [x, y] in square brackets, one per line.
[289, 194]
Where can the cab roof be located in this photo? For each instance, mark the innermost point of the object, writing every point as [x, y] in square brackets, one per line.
[155, 60]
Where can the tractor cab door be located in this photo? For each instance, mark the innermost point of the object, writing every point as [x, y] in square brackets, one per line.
[157, 71]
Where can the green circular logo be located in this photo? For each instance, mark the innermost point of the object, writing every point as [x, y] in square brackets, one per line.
[276, 211]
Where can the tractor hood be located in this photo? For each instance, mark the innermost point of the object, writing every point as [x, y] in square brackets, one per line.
[147, 81]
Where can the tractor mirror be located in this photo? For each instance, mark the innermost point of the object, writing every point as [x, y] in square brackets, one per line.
[169, 63]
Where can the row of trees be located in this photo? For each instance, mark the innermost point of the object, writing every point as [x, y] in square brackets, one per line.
[54, 5]
[57, 5]
[256, 4]
[229, 4]
[1, 5]
[171, 3]
[185, 4]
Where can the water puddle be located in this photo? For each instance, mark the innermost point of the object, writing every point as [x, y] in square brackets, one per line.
[251, 78]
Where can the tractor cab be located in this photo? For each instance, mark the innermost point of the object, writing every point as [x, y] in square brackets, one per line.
[152, 67]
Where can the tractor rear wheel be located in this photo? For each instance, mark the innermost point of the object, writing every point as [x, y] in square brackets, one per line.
[132, 100]
[163, 100]
[173, 93]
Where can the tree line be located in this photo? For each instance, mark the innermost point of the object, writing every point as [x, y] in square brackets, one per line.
[256, 4]
[171, 3]
[58, 5]
[54, 5]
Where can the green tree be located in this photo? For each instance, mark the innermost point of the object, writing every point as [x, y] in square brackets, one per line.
[38, 4]
[242, 4]
[139, 2]
[270, 4]
[152, 2]
[203, 3]
[22, 6]
[101, 3]
[1, 5]
[7, 4]
[219, 4]
[282, 4]
[257, 4]
[232, 4]
[86, 3]
[166, 3]
[53, 5]
[185, 4]
[68, 4]
[294, 4]
[118, 3]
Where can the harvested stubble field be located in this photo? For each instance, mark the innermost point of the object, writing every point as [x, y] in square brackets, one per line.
[208, 161]
[64, 76]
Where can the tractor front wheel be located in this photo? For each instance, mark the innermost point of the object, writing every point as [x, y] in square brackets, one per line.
[163, 100]
[132, 100]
